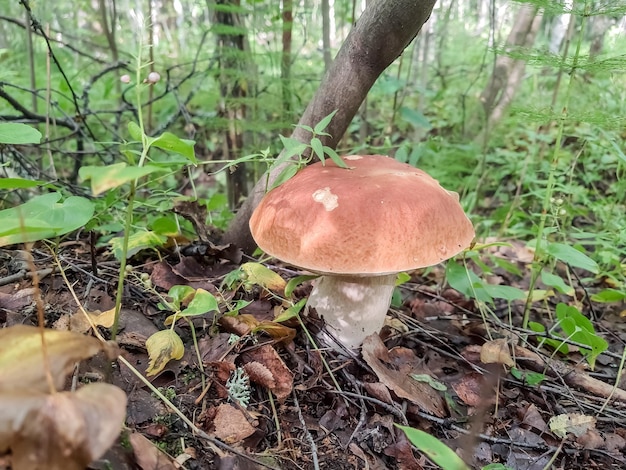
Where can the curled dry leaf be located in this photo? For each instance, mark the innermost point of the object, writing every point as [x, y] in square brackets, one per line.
[62, 431]
[395, 374]
[231, 424]
[496, 351]
[260, 374]
[267, 356]
[22, 365]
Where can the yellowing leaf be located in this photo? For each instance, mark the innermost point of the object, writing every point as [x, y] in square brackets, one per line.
[162, 347]
[261, 276]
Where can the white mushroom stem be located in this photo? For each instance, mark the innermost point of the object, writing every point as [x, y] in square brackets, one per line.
[352, 307]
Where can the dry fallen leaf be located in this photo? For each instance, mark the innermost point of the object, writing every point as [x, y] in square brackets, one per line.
[574, 423]
[61, 431]
[148, 456]
[231, 424]
[496, 351]
[396, 375]
[162, 347]
[22, 365]
[267, 356]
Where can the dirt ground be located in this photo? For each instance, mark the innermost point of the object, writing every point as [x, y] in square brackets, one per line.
[462, 372]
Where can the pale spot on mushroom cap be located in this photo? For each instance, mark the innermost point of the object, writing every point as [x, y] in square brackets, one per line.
[326, 198]
[353, 157]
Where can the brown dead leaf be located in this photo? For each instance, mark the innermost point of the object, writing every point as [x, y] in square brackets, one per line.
[18, 300]
[22, 365]
[533, 418]
[62, 431]
[471, 389]
[402, 452]
[260, 374]
[393, 369]
[591, 440]
[148, 456]
[267, 356]
[496, 351]
[231, 424]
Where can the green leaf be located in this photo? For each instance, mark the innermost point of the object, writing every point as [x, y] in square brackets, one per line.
[434, 449]
[43, 217]
[427, 379]
[202, 302]
[296, 281]
[292, 147]
[135, 131]
[290, 312]
[415, 118]
[15, 133]
[323, 124]
[507, 293]
[285, 175]
[173, 143]
[18, 183]
[318, 148]
[136, 242]
[557, 345]
[466, 282]
[572, 256]
[608, 295]
[530, 378]
[336, 158]
[108, 177]
[180, 294]
[579, 328]
[402, 278]
[552, 280]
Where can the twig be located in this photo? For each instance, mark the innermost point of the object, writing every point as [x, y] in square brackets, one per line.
[309, 438]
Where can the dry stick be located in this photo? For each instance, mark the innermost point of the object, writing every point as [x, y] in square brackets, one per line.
[309, 438]
[571, 375]
[215, 444]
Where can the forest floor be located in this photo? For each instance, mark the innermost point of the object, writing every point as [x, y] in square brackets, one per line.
[463, 374]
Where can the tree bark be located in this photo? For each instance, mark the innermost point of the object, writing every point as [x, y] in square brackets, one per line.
[507, 72]
[285, 63]
[384, 30]
[234, 83]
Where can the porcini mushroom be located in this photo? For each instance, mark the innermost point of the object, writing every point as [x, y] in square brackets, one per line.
[359, 227]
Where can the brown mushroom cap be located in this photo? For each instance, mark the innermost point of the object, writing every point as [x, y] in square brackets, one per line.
[378, 217]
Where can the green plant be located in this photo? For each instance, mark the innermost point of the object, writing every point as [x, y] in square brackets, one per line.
[43, 216]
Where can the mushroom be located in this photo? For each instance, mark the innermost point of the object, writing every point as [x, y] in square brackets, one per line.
[359, 227]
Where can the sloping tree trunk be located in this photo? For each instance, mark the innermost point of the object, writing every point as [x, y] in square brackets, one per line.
[507, 72]
[384, 30]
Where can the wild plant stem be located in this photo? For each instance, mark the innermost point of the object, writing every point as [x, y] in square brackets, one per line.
[538, 258]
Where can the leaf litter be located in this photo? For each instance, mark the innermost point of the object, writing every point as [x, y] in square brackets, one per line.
[439, 366]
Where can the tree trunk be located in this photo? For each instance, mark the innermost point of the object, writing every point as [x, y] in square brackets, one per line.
[384, 30]
[285, 63]
[507, 72]
[233, 88]
[326, 33]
